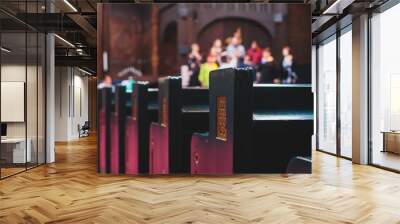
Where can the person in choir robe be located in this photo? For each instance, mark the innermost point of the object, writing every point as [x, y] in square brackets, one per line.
[186, 75]
[228, 41]
[248, 64]
[129, 84]
[267, 68]
[226, 61]
[236, 50]
[216, 50]
[206, 68]
[238, 33]
[255, 53]
[107, 82]
[287, 66]
[194, 61]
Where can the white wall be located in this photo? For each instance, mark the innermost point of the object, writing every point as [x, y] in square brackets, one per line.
[80, 110]
[71, 102]
[16, 73]
[12, 73]
[61, 103]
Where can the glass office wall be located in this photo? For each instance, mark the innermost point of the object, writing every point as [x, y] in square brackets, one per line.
[32, 96]
[327, 95]
[334, 104]
[38, 6]
[13, 147]
[41, 97]
[345, 92]
[13, 86]
[385, 89]
[22, 93]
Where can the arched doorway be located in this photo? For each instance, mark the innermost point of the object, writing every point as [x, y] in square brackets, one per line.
[169, 50]
[224, 28]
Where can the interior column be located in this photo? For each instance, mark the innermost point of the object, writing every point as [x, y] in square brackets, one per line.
[360, 90]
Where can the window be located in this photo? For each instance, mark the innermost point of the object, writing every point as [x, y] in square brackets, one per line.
[346, 93]
[327, 96]
[334, 106]
[385, 89]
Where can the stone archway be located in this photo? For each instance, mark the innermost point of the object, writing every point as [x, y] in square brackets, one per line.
[168, 50]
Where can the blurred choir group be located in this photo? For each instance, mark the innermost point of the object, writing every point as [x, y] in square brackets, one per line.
[266, 70]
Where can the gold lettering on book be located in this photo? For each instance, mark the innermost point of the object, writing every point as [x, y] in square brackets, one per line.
[164, 112]
[222, 132]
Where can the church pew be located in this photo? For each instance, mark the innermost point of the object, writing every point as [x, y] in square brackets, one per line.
[284, 113]
[104, 107]
[182, 112]
[142, 111]
[118, 129]
[115, 110]
[253, 129]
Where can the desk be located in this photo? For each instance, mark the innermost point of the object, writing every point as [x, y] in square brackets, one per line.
[13, 150]
[391, 141]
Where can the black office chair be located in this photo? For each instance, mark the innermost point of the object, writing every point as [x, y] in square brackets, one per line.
[84, 130]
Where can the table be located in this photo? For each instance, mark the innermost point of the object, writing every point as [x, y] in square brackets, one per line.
[13, 150]
[391, 141]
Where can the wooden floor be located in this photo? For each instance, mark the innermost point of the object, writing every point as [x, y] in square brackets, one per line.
[386, 159]
[5, 172]
[70, 191]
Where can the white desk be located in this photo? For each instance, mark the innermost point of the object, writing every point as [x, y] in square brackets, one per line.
[18, 150]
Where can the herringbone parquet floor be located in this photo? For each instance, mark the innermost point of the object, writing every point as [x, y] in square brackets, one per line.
[70, 191]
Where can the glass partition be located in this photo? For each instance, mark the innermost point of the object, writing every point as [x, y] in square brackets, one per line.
[41, 109]
[23, 90]
[31, 97]
[15, 152]
[327, 95]
[385, 89]
[346, 93]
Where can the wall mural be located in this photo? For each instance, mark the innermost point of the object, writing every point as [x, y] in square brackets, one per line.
[204, 88]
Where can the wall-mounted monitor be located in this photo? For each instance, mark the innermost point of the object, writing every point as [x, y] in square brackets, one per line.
[12, 101]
